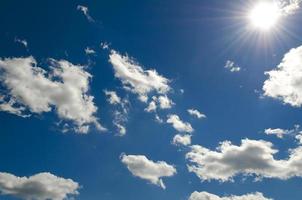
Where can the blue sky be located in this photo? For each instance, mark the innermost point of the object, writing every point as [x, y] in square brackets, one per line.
[182, 100]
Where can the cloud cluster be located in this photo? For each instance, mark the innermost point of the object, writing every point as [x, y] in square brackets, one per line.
[41, 186]
[252, 157]
[208, 196]
[162, 102]
[65, 88]
[285, 82]
[289, 7]
[231, 66]
[179, 125]
[135, 78]
[142, 167]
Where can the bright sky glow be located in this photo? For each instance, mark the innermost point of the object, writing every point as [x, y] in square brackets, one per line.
[265, 15]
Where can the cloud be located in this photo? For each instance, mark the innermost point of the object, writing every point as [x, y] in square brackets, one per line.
[120, 114]
[142, 167]
[64, 88]
[85, 11]
[196, 113]
[231, 66]
[135, 78]
[208, 196]
[252, 157]
[21, 41]
[285, 82]
[41, 186]
[289, 7]
[112, 97]
[151, 107]
[162, 102]
[89, 51]
[281, 132]
[184, 140]
[179, 125]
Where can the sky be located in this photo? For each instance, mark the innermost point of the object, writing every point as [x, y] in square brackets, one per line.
[174, 100]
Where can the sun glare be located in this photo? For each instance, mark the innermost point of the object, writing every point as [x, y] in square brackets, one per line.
[264, 15]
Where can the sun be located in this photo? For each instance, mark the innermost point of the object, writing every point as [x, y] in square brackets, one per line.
[265, 15]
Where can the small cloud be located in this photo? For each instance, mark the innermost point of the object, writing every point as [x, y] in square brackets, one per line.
[140, 166]
[85, 11]
[184, 140]
[179, 125]
[22, 42]
[231, 66]
[196, 113]
[89, 51]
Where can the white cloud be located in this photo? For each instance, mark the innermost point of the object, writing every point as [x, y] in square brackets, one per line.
[184, 140]
[65, 88]
[252, 157]
[208, 196]
[85, 11]
[165, 102]
[179, 125]
[41, 186]
[22, 41]
[89, 51]
[277, 131]
[285, 82]
[162, 102]
[151, 107]
[158, 119]
[231, 66]
[112, 97]
[135, 78]
[142, 167]
[120, 114]
[196, 113]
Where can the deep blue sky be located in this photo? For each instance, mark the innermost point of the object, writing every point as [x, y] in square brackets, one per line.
[185, 41]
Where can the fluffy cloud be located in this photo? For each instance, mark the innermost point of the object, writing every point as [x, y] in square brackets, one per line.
[144, 168]
[208, 196]
[41, 186]
[231, 66]
[179, 125]
[196, 113]
[285, 82]
[252, 157]
[184, 140]
[65, 88]
[135, 78]
[85, 11]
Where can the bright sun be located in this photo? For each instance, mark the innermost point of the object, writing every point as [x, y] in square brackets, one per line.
[264, 15]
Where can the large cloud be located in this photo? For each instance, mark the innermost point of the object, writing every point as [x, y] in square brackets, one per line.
[41, 186]
[135, 78]
[141, 166]
[252, 157]
[64, 88]
[285, 82]
[208, 196]
[179, 125]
